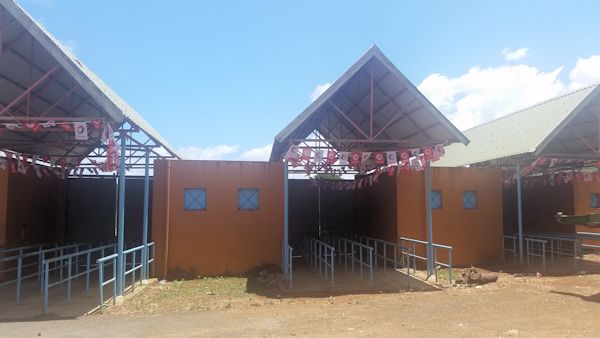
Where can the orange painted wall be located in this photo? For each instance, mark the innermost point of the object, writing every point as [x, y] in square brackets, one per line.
[581, 201]
[220, 239]
[475, 234]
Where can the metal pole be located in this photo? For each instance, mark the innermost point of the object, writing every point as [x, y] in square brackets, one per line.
[519, 211]
[145, 221]
[121, 216]
[430, 263]
[319, 208]
[285, 217]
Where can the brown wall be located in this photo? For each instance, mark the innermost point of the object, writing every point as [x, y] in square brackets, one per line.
[581, 201]
[39, 205]
[220, 239]
[475, 234]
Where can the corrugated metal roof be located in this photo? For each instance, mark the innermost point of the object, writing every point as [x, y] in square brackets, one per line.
[105, 97]
[416, 121]
[523, 132]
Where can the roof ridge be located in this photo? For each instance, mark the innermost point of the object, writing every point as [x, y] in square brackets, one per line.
[533, 106]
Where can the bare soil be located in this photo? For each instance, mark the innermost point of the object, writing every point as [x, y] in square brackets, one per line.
[523, 303]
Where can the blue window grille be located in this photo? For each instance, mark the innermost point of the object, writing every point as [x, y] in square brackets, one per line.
[594, 200]
[436, 199]
[194, 199]
[470, 199]
[248, 199]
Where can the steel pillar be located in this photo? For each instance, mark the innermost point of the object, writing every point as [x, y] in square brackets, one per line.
[430, 257]
[285, 218]
[121, 218]
[145, 220]
[519, 211]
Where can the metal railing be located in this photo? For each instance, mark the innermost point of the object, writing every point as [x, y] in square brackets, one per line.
[24, 261]
[438, 264]
[26, 248]
[134, 264]
[358, 253]
[385, 249]
[561, 245]
[288, 275]
[512, 249]
[535, 248]
[321, 257]
[68, 261]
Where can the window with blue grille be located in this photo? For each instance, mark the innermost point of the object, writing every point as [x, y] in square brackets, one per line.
[248, 199]
[594, 200]
[194, 199]
[436, 199]
[470, 199]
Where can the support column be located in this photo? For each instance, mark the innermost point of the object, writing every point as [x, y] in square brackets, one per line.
[430, 258]
[145, 220]
[519, 211]
[285, 219]
[121, 218]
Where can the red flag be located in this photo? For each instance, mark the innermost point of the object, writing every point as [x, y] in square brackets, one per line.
[391, 170]
[305, 154]
[427, 153]
[355, 158]
[379, 158]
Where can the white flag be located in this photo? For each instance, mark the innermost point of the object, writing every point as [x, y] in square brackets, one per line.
[365, 156]
[391, 157]
[81, 133]
[318, 156]
[292, 153]
[344, 157]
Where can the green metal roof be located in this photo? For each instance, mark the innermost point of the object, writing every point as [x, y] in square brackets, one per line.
[524, 132]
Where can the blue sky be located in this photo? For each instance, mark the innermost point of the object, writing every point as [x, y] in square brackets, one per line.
[220, 79]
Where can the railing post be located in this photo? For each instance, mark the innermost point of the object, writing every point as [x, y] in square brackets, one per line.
[371, 266]
[145, 219]
[70, 263]
[115, 276]
[132, 271]
[19, 275]
[332, 267]
[87, 272]
[450, 266]
[46, 276]
[100, 284]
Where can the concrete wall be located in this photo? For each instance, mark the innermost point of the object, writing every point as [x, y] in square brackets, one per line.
[220, 239]
[475, 234]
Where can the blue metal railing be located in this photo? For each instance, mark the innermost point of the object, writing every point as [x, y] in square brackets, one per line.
[321, 256]
[27, 258]
[358, 253]
[135, 264]
[389, 252]
[67, 261]
[437, 263]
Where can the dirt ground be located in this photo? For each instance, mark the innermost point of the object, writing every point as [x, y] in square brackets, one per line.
[553, 304]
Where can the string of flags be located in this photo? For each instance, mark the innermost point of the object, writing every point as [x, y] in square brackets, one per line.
[554, 171]
[317, 160]
[22, 163]
[79, 128]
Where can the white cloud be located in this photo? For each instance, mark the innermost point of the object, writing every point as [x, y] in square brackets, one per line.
[207, 153]
[257, 154]
[319, 89]
[512, 55]
[486, 93]
[585, 72]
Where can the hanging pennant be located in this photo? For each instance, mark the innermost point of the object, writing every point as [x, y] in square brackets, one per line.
[365, 156]
[318, 156]
[305, 154]
[404, 156]
[415, 164]
[49, 124]
[391, 158]
[427, 153]
[34, 126]
[438, 151]
[379, 158]
[414, 152]
[330, 157]
[344, 158]
[355, 158]
[81, 133]
[292, 153]
[391, 170]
